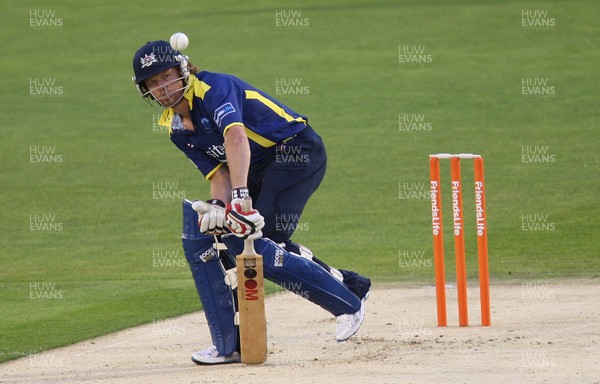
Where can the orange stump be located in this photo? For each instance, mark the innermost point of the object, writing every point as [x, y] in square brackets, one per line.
[438, 240]
[482, 242]
[459, 237]
[459, 242]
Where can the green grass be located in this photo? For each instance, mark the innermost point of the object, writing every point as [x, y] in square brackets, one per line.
[101, 193]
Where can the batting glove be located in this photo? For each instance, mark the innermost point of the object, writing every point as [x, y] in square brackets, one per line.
[242, 223]
[211, 217]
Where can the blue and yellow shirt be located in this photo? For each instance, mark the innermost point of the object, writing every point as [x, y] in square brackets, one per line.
[218, 101]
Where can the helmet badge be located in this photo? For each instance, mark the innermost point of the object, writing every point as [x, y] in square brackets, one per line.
[148, 60]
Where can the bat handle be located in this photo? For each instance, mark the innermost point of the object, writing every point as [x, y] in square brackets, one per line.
[200, 206]
[248, 244]
[246, 203]
[249, 248]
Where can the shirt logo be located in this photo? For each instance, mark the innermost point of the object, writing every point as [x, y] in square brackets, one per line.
[217, 152]
[148, 60]
[223, 111]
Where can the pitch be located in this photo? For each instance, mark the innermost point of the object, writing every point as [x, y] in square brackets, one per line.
[539, 334]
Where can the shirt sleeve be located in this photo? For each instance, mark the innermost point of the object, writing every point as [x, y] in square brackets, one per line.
[226, 103]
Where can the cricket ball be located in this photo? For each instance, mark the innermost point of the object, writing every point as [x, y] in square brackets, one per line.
[179, 41]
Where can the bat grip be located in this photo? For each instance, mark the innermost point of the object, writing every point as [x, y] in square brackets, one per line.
[246, 203]
[200, 206]
[248, 244]
[249, 248]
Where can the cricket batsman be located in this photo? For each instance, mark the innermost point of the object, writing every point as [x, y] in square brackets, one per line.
[245, 143]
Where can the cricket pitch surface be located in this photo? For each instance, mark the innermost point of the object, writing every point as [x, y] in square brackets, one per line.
[542, 332]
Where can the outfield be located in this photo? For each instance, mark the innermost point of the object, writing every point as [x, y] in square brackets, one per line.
[92, 188]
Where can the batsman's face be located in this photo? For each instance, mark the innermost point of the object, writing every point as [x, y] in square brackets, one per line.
[166, 86]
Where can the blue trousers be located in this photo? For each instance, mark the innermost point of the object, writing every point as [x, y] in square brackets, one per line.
[282, 184]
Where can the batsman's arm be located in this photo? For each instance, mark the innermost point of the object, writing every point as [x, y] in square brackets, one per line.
[220, 185]
[237, 150]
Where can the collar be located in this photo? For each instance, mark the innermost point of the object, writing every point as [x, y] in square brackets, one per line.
[189, 94]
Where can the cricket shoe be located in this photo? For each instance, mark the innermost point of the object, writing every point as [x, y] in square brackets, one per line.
[211, 356]
[348, 325]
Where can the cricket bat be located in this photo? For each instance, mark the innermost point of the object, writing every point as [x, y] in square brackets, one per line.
[251, 302]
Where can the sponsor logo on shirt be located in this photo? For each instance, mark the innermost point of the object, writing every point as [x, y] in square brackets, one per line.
[223, 111]
[217, 152]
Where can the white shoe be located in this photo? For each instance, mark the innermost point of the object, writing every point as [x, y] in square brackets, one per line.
[211, 356]
[348, 325]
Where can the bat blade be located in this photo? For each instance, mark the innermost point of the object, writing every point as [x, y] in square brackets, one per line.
[251, 307]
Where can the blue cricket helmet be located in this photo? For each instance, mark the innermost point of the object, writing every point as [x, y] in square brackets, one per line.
[155, 57]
